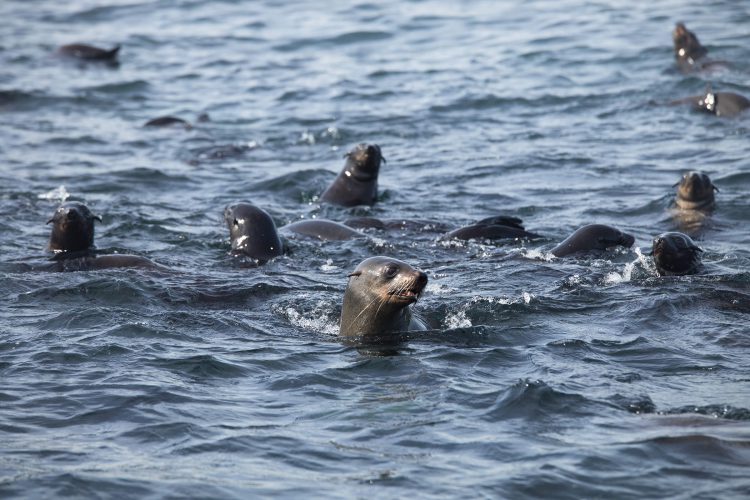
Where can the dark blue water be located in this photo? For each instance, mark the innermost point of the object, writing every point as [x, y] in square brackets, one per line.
[542, 377]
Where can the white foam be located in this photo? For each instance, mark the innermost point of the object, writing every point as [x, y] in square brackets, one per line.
[317, 320]
[58, 194]
[537, 254]
[328, 266]
[457, 320]
[307, 137]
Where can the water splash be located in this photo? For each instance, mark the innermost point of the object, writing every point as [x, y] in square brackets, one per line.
[58, 194]
[319, 319]
[614, 278]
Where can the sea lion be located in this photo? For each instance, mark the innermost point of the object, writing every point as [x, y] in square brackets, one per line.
[377, 299]
[695, 191]
[726, 104]
[592, 237]
[694, 202]
[252, 231]
[687, 48]
[690, 54]
[168, 121]
[675, 254]
[72, 240]
[491, 228]
[88, 53]
[322, 229]
[357, 183]
[72, 228]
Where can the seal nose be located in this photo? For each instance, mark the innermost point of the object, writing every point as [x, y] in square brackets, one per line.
[373, 151]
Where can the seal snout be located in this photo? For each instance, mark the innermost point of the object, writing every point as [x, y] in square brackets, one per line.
[412, 288]
[626, 240]
[367, 155]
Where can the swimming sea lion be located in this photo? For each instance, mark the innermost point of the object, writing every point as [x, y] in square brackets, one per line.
[72, 240]
[593, 237]
[252, 231]
[721, 103]
[675, 254]
[687, 48]
[377, 299]
[695, 192]
[168, 121]
[357, 183]
[694, 203]
[88, 52]
[690, 54]
[72, 228]
[322, 229]
[491, 228]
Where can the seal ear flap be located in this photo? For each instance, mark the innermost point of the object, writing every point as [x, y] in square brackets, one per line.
[98, 217]
[676, 184]
[715, 188]
[355, 273]
[50, 221]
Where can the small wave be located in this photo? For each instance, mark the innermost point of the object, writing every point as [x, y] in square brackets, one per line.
[717, 411]
[338, 40]
[119, 87]
[200, 366]
[535, 399]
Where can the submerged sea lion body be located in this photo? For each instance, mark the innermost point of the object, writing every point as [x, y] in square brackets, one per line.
[492, 228]
[676, 254]
[593, 237]
[322, 229]
[377, 299]
[727, 104]
[168, 121]
[85, 52]
[252, 232]
[89, 261]
[357, 183]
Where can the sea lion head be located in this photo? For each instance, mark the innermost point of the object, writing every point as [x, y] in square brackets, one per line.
[378, 295]
[675, 254]
[252, 231]
[695, 190]
[686, 44]
[72, 228]
[609, 236]
[363, 162]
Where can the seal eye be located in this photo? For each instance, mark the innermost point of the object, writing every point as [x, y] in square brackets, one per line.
[236, 222]
[390, 271]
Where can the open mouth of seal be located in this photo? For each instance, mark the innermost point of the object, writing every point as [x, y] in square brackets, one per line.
[410, 294]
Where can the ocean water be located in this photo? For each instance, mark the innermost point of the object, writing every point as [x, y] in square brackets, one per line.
[584, 377]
